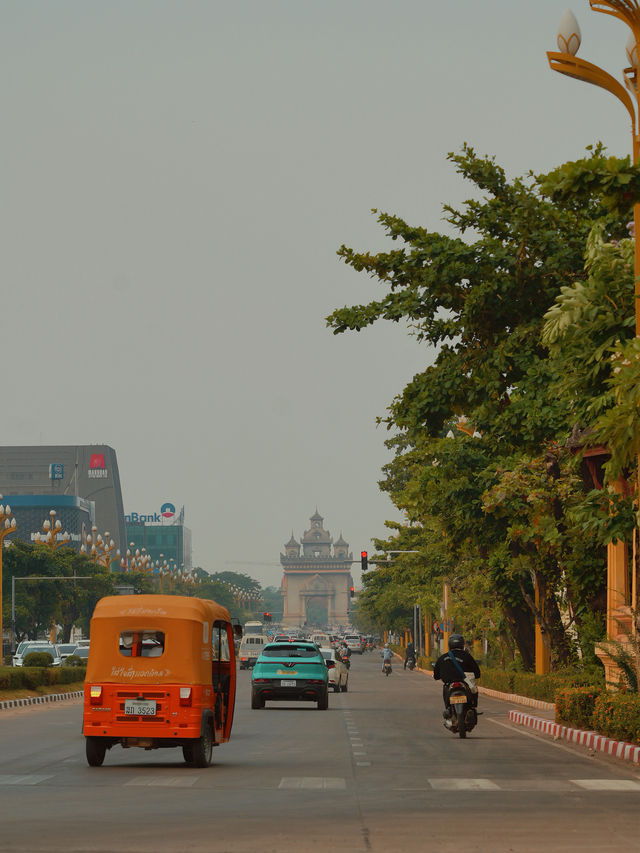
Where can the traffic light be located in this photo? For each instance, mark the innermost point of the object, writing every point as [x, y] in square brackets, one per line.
[364, 560]
[266, 617]
[352, 591]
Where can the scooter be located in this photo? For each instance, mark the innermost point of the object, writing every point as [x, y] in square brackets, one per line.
[411, 663]
[386, 667]
[462, 716]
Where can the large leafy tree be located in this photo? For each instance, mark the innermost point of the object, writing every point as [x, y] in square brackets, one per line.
[480, 298]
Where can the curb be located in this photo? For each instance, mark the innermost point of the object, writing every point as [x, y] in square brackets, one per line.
[514, 698]
[599, 743]
[40, 700]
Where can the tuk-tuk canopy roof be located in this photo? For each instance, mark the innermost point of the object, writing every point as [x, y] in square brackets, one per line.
[163, 606]
[187, 655]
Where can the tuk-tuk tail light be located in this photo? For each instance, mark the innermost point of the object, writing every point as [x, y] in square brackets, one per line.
[95, 694]
[185, 696]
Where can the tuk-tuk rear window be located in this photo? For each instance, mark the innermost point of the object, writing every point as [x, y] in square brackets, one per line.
[142, 644]
[290, 650]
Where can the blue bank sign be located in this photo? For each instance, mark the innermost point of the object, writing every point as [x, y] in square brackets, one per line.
[167, 510]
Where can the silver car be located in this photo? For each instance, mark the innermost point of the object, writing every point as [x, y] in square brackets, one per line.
[28, 646]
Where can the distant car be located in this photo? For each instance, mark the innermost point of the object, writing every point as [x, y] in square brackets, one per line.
[354, 642]
[282, 638]
[65, 650]
[82, 652]
[28, 646]
[250, 648]
[321, 640]
[83, 644]
[336, 670]
[290, 671]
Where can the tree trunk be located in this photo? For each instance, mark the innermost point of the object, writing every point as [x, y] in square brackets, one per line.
[521, 625]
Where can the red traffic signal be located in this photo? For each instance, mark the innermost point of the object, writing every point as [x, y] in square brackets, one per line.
[352, 591]
[266, 617]
[364, 560]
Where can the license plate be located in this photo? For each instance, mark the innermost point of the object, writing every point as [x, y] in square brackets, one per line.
[287, 684]
[457, 700]
[140, 707]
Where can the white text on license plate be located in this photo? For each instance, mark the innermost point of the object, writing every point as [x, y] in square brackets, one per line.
[457, 700]
[140, 707]
[287, 684]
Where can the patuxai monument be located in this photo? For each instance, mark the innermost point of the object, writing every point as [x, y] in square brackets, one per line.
[317, 577]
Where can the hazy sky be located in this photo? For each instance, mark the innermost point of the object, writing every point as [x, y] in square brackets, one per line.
[177, 178]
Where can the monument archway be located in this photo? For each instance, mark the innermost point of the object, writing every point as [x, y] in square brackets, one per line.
[320, 574]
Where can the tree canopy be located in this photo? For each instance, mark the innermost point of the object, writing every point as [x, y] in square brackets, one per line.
[529, 306]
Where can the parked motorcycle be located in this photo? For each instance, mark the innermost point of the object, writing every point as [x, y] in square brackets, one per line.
[386, 668]
[462, 717]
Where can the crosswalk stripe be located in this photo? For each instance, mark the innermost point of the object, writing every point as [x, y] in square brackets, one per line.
[320, 783]
[25, 779]
[162, 781]
[463, 785]
[607, 784]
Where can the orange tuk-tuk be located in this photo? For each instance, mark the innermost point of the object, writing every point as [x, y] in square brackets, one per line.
[161, 672]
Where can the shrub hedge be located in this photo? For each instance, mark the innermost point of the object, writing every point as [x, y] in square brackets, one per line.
[30, 677]
[617, 715]
[544, 687]
[575, 705]
[38, 659]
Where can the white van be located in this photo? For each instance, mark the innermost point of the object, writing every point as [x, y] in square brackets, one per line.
[250, 647]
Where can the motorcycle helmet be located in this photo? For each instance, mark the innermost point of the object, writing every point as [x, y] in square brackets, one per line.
[386, 645]
[456, 641]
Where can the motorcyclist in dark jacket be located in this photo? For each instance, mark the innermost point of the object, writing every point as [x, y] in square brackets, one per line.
[410, 652]
[447, 671]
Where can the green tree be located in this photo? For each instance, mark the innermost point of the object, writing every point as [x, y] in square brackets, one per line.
[480, 299]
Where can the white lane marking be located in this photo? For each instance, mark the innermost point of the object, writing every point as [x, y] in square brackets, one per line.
[607, 784]
[359, 753]
[463, 785]
[363, 764]
[162, 781]
[318, 783]
[26, 779]
[540, 738]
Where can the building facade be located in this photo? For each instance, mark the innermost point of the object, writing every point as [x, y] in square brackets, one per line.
[163, 535]
[56, 473]
[317, 578]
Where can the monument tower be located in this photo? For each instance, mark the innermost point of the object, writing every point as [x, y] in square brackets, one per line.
[317, 582]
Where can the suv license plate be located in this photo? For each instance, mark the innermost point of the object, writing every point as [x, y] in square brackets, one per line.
[287, 684]
[140, 707]
[457, 700]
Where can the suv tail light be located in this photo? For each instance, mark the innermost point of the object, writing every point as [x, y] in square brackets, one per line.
[95, 694]
[185, 696]
[330, 664]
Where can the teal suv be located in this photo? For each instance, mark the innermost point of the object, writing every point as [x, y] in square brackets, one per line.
[290, 672]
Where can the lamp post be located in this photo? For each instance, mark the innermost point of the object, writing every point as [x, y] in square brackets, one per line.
[100, 549]
[566, 62]
[7, 525]
[52, 529]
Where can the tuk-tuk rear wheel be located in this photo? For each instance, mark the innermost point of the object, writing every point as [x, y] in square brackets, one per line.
[200, 752]
[96, 749]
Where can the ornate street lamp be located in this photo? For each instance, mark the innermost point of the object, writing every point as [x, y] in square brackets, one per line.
[7, 525]
[566, 62]
[52, 535]
[100, 550]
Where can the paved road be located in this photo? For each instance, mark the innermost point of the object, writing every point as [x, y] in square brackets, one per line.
[377, 772]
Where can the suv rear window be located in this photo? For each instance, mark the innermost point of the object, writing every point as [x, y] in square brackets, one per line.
[290, 650]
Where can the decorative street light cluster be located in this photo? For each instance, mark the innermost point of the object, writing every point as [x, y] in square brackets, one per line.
[244, 597]
[98, 549]
[136, 560]
[7, 525]
[52, 535]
